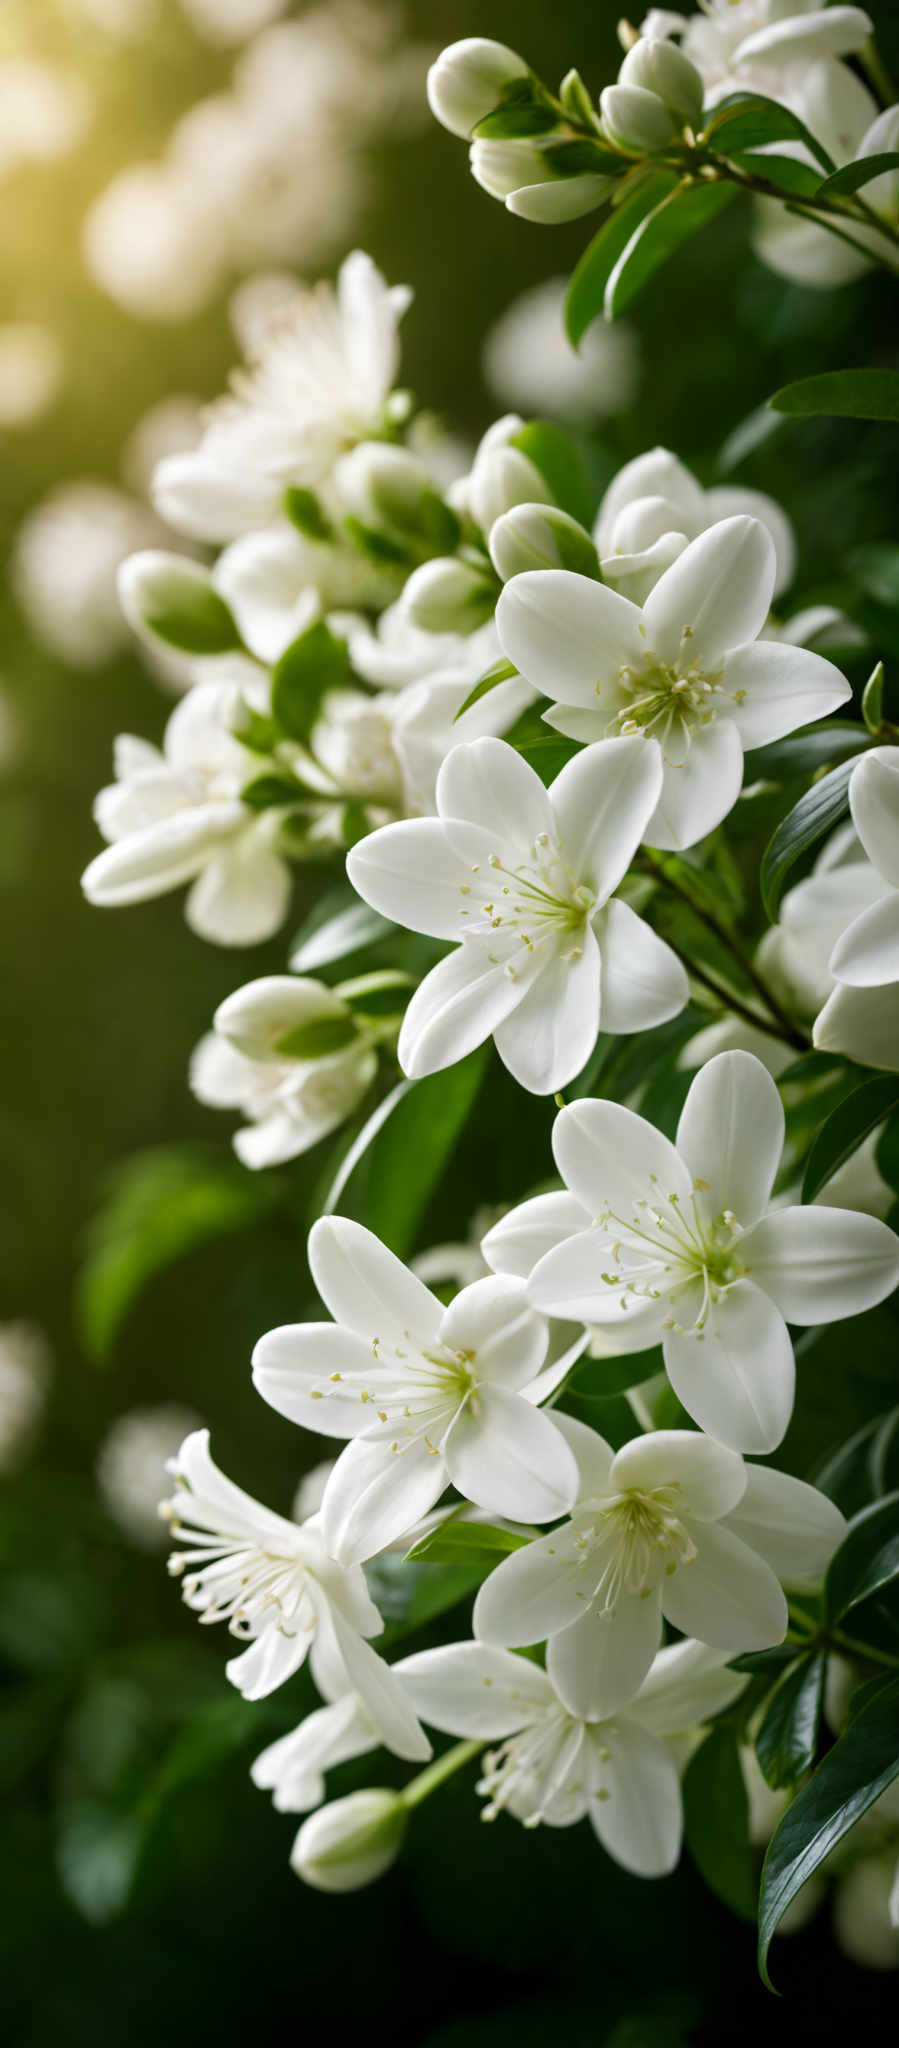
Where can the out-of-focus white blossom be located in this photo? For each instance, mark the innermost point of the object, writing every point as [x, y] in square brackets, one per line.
[44, 111]
[231, 21]
[170, 427]
[131, 1468]
[529, 362]
[65, 566]
[25, 1366]
[31, 371]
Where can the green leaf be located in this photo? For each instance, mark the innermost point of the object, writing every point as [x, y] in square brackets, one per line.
[867, 1559]
[887, 1154]
[411, 1594]
[339, 925]
[196, 621]
[377, 545]
[586, 291]
[803, 753]
[847, 1477]
[751, 121]
[316, 1040]
[876, 571]
[305, 512]
[560, 462]
[676, 218]
[842, 394]
[465, 1543]
[386, 1178]
[854, 1773]
[788, 1737]
[851, 177]
[255, 731]
[872, 700]
[500, 671]
[270, 792]
[524, 120]
[160, 1204]
[817, 812]
[716, 1820]
[846, 1128]
[314, 663]
[786, 172]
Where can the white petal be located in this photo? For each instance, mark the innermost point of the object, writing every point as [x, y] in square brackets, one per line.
[508, 1457]
[161, 856]
[243, 896]
[256, 1016]
[375, 1494]
[711, 1479]
[315, 1374]
[727, 1596]
[487, 784]
[720, 587]
[267, 1663]
[688, 1683]
[819, 1264]
[219, 1075]
[792, 1525]
[874, 802]
[367, 1288]
[138, 801]
[456, 1007]
[610, 1157]
[642, 982]
[862, 1022]
[569, 1281]
[292, 1768]
[520, 1239]
[278, 1138]
[640, 1823]
[700, 790]
[559, 199]
[549, 1035]
[594, 1456]
[411, 873]
[731, 1135]
[737, 1378]
[534, 1592]
[784, 687]
[566, 632]
[262, 577]
[473, 1690]
[867, 955]
[599, 1663]
[805, 37]
[385, 1698]
[727, 499]
[602, 800]
[492, 1320]
[657, 474]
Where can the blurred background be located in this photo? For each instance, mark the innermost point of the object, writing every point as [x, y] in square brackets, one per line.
[155, 155]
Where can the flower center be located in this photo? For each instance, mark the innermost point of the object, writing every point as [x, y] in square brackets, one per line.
[669, 1251]
[667, 700]
[228, 1579]
[416, 1394]
[534, 1768]
[536, 900]
[625, 1543]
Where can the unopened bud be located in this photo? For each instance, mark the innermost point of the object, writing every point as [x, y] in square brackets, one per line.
[504, 167]
[350, 1842]
[503, 476]
[168, 597]
[541, 537]
[658, 66]
[449, 596]
[386, 486]
[470, 79]
[636, 119]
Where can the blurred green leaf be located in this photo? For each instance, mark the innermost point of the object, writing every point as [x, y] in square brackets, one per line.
[867, 1560]
[842, 394]
[716, 1820]
[875, 568]
[788, 1736]
[851, 177]
[817, 812]
[751, 121]
[672, 222]
[338, 925]
[788, 173]
[804, 752]
[410, 1594]
[393, 1165]
[316, 1040]
[313, 664]
[586, 292]
[457, 1542]
[846, 1129]
[559, 460]
[853, 1774]
[601, 1378]
[872, 700]
[97, 1853]
[159, 1205]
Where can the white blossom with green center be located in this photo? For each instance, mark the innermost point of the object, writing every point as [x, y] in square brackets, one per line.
[687, 669]
[522, 878]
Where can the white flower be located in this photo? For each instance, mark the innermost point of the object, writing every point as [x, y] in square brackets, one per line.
[529, 361]
[25, 1367]
[293, 1768]
[428, 1394]
[291, 1099]
[553, 1766]
[176, 816]
[44, 111]
[395, 652]
[687, 669]
[522, 877]
[281, 1594]
[676, 1244]
[501, 476]
[672, 1525]
[795, 953]
[131, 1466]
[277, 581]
[319, 383]
[654, 506]
[65, 566]
[843, 115]
[767, 46]
[428, 722]
[861, 1017]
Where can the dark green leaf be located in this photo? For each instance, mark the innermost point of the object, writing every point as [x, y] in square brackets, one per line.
[270, 792]
[314, 663]
[867, 1559]
[377, 545]
[804, 752]
[716, 1820]
[847, 1477]
[672, 222]
[887, 1154]
[339, 925]
[817, 812]
[846, 1128]
[751, 121]
[500, 671]
[560, 462]
[876, 571]
[786, 172]
[508, 121]
[872, 700]
[465, 1543]
[755, 1661]
[196, 621]
[411, 1594]
[851, 177]
[160, 1205]
[587, 289]
[386, 1178]
[788, 1737]
[843, 394]
[97, 1853]
[852, 1775]
[305, 512]
[316, 1040]
[751, 433]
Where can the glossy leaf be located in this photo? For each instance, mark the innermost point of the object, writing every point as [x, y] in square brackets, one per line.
[586, 292]
[853, 1774]
[788, 173]
[560, 462]
[788, 1736]
[817, 812]
[409, 1594]
[847, 1128]
[802, 753]
[315, 663]
[852, 177]
[339, 925]
[457, 1542]
[500, 671]
[867, 1560]
[716, 1820]
[842, 394]
[672, 222]
[751, 121]
[387, 1177]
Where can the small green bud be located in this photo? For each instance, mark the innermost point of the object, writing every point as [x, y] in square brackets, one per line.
[171, 598]
[656, 65]
[635, 119]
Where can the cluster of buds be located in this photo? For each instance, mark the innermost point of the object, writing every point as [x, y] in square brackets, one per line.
[554, 157]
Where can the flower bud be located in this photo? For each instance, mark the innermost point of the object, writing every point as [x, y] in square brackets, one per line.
[502, 475]
[540, 537]
[504, 167]
[560, 198]
[448, 596]
[386, 486]
[168, 597]
[636, 119]
[351, 1841]
[470, 79]
[658, 66]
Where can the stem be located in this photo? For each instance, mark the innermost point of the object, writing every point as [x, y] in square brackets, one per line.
[825, 213]
[785, 1026]
[865, 1650]
[442, 1767]
[729, 1001]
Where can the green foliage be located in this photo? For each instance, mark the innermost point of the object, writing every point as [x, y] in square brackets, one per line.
[560, 461]
[846, 1129]
[852, 177]
[867, 1560]
[745, 121]
[455, 1542]
[313, 664]
[787, 1739]
[853, 1774]
[318, 1039]
[843, 394]
[393, 1165]
[587, 290]
[339, 926]
[716, 1820]
[658, 236]
[817, 812]
[499, 672]
[196, 620]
